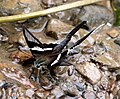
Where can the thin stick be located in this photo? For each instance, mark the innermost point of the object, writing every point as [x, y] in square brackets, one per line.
[47, 11]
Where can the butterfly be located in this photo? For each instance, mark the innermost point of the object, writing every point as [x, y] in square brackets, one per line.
[50, 55]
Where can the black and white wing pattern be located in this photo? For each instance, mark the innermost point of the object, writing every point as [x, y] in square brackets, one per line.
[63, 54]
[61, 46]
[51, 54]
[35, 46]
[30, 38]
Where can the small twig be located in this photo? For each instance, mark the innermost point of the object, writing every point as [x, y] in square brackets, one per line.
[47, 11]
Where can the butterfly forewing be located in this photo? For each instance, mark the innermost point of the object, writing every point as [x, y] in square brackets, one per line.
[35, 46]
[30, 38]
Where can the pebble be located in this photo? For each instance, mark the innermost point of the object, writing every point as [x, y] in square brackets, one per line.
[68, 87]
[41, 94]
[113, 33]
[108, 60]
[89, 95]
[57, 92]
[58, 30]
[19, 6]
[90, 71]
[51, 96]
[117, 41]
[29, 93]
[92, 13]
[87, 50]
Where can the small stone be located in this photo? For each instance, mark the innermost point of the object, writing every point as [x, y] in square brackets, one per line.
[48, 3]
[89, 95]
[57, 92]
[111, 84]
[3, 38]
[92, 13]
[108, 60]
[90, 71]
[103, 84]
[51, 96]
[20, 6]
[68, 87]
[110, 56]
[20, 56]
[118, 93]
[118, 77]
[79, 86]
[87, 50]
[101, 95]
[41, 94]
[80, 97]
[30, 93]
[113, 33]
[61, 71]
[22, 97]
[58, 30]
[117, 41]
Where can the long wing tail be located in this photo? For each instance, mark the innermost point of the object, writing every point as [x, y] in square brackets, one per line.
[30, 38]
[68, 37]
[83, 38]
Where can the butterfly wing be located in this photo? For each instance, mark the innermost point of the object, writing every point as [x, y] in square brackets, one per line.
[61, 46]
[35, 46]
[30, 38]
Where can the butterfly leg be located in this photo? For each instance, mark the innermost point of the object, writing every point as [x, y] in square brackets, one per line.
[34, 74]
[32, 69]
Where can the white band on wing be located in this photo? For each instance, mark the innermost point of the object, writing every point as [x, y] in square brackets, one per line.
[56, 60]
[41, 49]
